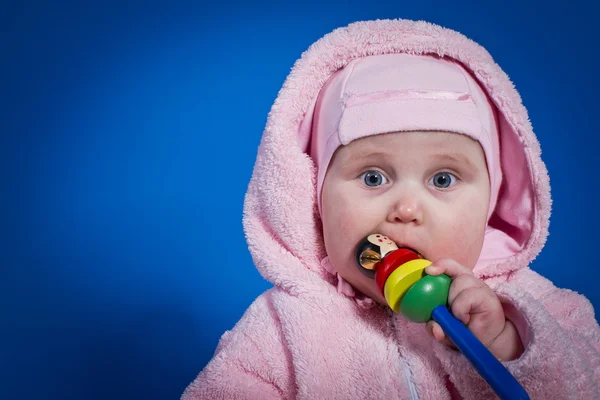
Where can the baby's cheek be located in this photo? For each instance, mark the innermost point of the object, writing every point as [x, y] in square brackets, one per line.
[339, 228]
[464, 243]
[342, 223]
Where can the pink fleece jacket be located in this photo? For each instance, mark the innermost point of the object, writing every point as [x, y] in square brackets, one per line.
[310, 338]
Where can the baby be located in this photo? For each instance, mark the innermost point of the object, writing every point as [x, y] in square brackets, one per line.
[411, 131]
[429, 190]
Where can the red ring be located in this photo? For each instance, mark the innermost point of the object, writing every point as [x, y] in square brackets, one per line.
[390, 262]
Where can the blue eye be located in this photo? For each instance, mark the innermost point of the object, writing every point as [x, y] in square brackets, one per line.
[373, 178]
[443, 180]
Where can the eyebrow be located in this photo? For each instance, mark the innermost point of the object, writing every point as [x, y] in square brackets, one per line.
[369, 155]
[365, 157]
[454, 157]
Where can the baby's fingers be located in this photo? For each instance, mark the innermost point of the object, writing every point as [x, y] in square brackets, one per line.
[435, 330]
[469, 302]
[462, 283]
[450, 267]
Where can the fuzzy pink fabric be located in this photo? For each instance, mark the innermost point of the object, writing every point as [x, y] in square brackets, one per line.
[310, 338]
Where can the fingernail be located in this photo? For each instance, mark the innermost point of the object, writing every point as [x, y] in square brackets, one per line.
[431, 270]
[429, 327]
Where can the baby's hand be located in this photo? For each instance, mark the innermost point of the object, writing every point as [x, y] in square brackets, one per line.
[476, 305]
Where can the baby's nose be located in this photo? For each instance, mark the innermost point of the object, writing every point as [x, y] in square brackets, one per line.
[406, 210]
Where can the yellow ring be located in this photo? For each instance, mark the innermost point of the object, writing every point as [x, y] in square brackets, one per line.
[399, 281]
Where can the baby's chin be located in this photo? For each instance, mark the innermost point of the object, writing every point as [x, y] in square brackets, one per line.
[361, 284]
[366, 286]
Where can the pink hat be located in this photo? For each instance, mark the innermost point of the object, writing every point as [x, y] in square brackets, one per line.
[403, 92]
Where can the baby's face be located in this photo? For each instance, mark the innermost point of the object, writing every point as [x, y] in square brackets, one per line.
[425, 190]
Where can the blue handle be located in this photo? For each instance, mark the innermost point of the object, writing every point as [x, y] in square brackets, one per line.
[497, 376]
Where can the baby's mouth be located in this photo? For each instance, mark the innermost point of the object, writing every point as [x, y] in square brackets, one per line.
[370, 253]
[401, 246]
[394, 268]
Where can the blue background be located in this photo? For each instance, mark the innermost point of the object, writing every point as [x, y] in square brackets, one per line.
[116, 176]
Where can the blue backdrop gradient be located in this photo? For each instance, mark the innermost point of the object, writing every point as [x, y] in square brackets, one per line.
[129, 133]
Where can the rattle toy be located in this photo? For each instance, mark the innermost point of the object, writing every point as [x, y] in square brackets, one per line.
[400, 275]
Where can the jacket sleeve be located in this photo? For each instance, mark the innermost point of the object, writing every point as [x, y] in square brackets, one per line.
[250, 361]
[560, 336]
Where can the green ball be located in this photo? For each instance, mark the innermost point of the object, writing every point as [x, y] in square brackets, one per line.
[424, 296]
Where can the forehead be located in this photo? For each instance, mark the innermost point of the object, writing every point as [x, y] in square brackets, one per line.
[413, 144]
[414, 138]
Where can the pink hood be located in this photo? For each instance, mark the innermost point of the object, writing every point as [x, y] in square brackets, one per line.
[281, 218]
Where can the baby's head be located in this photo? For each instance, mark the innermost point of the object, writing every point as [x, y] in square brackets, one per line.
[406, 146]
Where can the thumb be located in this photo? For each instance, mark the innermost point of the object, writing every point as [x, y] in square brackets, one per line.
[435, 330]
